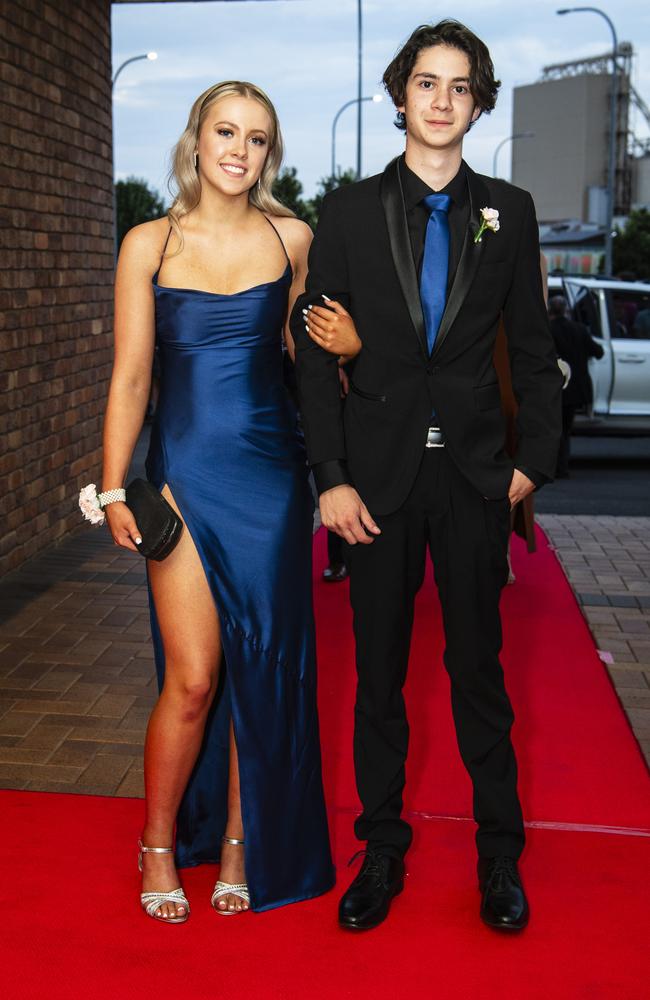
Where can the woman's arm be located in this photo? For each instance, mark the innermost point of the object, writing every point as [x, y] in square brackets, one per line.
[297, 238]
[333, 329]
[131, 378]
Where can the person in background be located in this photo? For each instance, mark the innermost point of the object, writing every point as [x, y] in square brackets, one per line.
[336, 570]
[523, 514]
[575, 345]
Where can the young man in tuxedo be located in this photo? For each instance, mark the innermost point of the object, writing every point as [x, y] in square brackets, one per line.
[414, 457]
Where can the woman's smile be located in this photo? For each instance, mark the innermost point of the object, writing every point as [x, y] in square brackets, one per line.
[234, 169]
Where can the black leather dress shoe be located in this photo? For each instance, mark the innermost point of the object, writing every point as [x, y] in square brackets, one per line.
[504, 905]
[367, 902]
[336, 573]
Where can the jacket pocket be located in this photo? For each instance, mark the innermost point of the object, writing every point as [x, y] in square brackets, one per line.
[488, 397]
[373, 396]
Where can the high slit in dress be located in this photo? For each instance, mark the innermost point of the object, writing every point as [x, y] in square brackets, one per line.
[225, 441]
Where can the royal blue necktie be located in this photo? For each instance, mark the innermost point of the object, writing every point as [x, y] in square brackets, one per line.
[435, 265]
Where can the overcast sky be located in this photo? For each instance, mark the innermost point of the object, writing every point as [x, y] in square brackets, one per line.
[303, 53]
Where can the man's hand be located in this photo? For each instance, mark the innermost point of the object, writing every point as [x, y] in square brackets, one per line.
[520, 487]
[342, 510]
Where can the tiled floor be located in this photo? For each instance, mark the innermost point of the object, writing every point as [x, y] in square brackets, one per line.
[607, 562]
[76, 666]
[76, 670]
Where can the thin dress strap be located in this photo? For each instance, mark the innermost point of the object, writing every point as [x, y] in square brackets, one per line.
[281, 240]
[155, 277]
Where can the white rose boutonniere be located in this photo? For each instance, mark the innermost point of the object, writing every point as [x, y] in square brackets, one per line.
[489, 220]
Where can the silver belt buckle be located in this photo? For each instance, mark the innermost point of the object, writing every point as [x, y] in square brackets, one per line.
[435, 438]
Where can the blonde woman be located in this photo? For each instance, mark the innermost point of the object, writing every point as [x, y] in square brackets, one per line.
[232, 757]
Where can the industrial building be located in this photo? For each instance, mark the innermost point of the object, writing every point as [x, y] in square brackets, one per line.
[564, 163]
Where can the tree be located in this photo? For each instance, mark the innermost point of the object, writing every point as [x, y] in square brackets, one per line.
[135, 202]
[288, 189]
[632, 246]
[327, 184]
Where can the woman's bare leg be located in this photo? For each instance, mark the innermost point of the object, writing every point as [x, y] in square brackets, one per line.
[232, 855]
[191, 638]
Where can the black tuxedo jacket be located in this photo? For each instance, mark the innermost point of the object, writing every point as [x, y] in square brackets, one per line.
[361, 256]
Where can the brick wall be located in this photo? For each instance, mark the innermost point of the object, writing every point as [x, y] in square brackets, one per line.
[56, 263]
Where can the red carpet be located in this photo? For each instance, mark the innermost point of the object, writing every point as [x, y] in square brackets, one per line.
[72, 927]
[578, 761]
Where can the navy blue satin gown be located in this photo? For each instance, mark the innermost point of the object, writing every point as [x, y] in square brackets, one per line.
[225, 441]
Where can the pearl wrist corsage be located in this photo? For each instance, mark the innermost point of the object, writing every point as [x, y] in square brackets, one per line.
[91, 502]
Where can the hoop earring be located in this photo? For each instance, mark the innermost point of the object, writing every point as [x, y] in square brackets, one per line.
[196, 159]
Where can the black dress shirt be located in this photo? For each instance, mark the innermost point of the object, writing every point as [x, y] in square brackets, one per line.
[327, 475]
[417, 215]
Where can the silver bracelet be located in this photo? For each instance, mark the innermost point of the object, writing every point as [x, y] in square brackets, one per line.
[111, 496]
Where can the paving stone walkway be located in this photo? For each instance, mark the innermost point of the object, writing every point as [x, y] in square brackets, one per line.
[76, 670]
[76, 667]
[607, 562]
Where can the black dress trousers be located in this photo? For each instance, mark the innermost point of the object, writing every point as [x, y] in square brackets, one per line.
[467, 537]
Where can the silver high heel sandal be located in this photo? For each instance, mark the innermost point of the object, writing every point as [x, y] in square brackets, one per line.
[152, 901]
[222, 889]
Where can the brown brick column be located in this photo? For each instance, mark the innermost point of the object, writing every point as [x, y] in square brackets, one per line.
[56, 263]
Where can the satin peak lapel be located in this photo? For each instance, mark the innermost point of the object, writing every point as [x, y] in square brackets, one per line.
[392, 198]
[469, 258]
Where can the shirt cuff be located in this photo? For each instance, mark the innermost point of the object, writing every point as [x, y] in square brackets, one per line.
[329, 474]
[537, 478]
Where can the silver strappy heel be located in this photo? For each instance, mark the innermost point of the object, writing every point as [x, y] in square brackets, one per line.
[152, 901]
[222, 889]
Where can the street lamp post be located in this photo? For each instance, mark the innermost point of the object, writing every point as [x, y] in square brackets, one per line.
[376, 98]
[611, 172]
[151, 56]
[510, 138]
[359, 83]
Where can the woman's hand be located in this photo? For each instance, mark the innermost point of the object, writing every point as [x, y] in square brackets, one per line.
[122, 526]
[333, 329]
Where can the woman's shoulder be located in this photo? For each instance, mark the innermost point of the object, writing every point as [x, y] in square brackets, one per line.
[292, 230]
[144, 243]
[295, 235]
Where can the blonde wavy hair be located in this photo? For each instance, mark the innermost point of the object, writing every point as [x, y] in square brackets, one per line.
[184, 183]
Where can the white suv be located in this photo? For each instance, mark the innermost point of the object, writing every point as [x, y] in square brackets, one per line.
[617, 314]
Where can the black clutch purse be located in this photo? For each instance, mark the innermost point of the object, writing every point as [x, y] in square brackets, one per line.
[159, 525]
